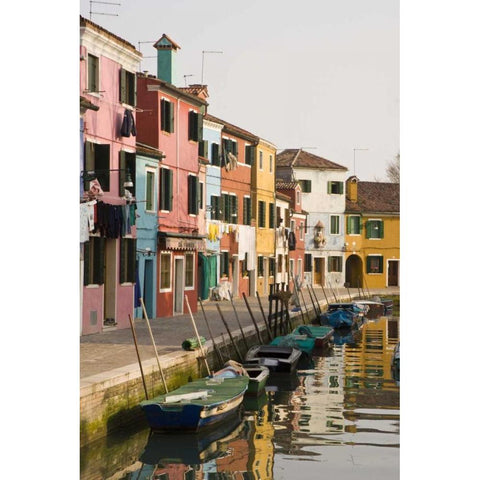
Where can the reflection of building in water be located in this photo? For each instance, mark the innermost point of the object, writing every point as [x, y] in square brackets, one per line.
[233, 465]
[174, 472]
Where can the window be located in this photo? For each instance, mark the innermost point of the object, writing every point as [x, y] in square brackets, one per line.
[374, 229]
[201, 195]
[292, 225]
[189, 270]
[260, 160]
[335, 224]
[215, 212]
[354, 225]
[306, 185]
[299, 267]
[260, 266]
[128, 87]
[215, 154]
[195, 126]
[166, 116]
[292, 267]
[224, 258]
[247, 210]
[127, 168]
[249, 154]
[203, 148]
[128, 253]
[165, 271]
[335, 187]
[93, 82]
[271, 164]
[261, 214]
[229, 207]
[302, 230]
[150, 191]
[97, 159]
[308, 262]
[374, 264]
[166, 189]
[297, 193]
[271, 267]
[94, 261]
[229, 146]
[193, 194]
[271, 215]
[334, 264]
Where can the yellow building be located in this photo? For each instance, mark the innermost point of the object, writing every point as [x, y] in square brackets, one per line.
[263, 201]
[372, 236]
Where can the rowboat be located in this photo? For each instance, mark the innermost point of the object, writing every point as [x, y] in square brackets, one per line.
[197, 404]
[257, 375]
[276, 358]
[321, 334]
[302, 342]
[373, 309]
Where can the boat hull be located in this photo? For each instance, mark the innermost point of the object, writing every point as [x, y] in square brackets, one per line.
[258, 376]
[276, 359]
[322, 335]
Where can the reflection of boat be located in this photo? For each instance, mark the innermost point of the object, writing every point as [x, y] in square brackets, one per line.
[321, 334]
[192, 448]
[345, 336]
[374, 309]
[282, 383]
[276, 358]
[197, 404]
[254, 403]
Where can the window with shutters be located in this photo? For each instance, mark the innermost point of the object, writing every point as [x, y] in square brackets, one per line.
[93, 80]
[233, 209]
[215, 211]
[271, 215]
[128, 256]
[189, 270]
[260, 266]
[334, 224]
[128, 87]
[167, 116]
[94, 261]
[229, 207]
[374, 263]
[374, 229]
[271, 266]
[193, 194]
[301, 231]
[215, 154]
[299, 268]
[195, 126]
[335, 188]
[165, 272]
[224, 262]
[308, 262]
[201, 195]
[127, 169]
[166, 189]
[261, 214]
[203, 148]
[150, 190]
[97, 161]
[334, 264]
[247, 211]
[353, 225]
[306, 185]
[249, 154]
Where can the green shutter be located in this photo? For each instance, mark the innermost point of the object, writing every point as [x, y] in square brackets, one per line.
[121, 173]
[196, 197]
[191, 121]
[380, 226]
[369, 262]
[368, 225]
[171, 117]
[233, 209]
[215, 154]
[199, 127]
[163, 115]
[349, 225]
[123, 86]
[341, 188]
[99, 260]
[329, 187]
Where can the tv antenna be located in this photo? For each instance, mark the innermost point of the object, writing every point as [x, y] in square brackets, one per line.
[102, 13]
[185, 78]
[140, 46]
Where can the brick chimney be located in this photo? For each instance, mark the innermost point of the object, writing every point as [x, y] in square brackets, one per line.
[352, 189]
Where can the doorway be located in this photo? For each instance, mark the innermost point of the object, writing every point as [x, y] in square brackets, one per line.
[109, 288]
[179, 285]
[354, 271]
[148, 287]
[393, 267]
[319, 271]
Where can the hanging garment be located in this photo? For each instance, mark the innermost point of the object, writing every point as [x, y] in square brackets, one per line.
[126, 223]
[128, 124]
[84, 230]
[291, 241]
[91, 215]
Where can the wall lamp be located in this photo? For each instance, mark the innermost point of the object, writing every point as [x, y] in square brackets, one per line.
[92, 174]
[147, 252]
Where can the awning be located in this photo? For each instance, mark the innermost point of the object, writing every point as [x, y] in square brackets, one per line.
[179, 241]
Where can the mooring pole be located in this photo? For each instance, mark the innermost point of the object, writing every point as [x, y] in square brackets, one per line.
[229, 334]
[198, 336]
[264, 318]
[217, 350]
[138, 355]
[238, 320]
[253, 318]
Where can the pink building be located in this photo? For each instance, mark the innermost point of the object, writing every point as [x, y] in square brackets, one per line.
[108, 66]
[170, 119]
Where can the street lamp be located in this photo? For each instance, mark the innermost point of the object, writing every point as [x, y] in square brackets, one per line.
[356, 150]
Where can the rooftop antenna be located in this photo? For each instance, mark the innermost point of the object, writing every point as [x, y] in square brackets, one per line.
[185, 78]
[203, 57]
[356, 150]
[140, 46]
[102, 13]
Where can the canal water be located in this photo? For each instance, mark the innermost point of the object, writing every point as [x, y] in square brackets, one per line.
[338, 417]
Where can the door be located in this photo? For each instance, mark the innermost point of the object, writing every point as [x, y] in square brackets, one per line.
[318, 270]
[235, 276]
[148, 287]
[179, 285]
[109, 288]
[393, 268]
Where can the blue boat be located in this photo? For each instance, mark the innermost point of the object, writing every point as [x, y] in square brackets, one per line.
[197, 404]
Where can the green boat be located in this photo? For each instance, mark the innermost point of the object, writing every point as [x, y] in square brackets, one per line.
[258, 375]
[321, 334]
[302, 342]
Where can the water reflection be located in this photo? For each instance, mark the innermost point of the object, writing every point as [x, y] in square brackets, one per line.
[338, 417]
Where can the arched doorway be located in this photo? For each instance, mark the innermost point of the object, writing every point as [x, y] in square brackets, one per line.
[354, 271]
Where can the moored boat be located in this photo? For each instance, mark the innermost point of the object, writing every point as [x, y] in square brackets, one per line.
[302, 342]
[321, 334]
[257, 375]
[197, 404]
[276, 358]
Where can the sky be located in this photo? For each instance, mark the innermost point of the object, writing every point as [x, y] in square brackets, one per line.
[316, 74]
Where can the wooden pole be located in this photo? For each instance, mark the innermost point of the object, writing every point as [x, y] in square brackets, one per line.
[297, 294]
[215, 347]
[198, 336]
[325, 295]
[318, 303]
[229, 333]
[333, 291]
[264, 318]
[304, 304]
[313, 303]
[153, 343]
[348, 291]
[366, 285]
[253, 318]
[138, 355]
[238, 320]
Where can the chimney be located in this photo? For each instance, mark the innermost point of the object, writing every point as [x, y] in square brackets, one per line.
[352, 191]
[166, 49]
